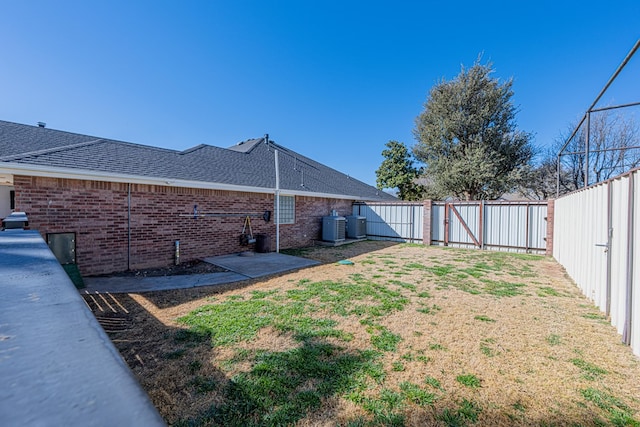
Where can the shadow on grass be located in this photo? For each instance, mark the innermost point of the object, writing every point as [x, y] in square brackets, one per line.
[331, 254]
[283, 387]
[175, 368]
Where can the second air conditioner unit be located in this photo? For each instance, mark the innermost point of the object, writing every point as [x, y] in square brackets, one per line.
[356, 227]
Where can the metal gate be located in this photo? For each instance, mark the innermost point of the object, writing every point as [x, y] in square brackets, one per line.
[505, 226]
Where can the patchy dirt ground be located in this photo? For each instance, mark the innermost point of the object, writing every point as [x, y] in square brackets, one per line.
[190, 267]
[494, 339]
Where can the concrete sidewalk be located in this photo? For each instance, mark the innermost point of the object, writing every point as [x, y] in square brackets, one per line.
[241, 267]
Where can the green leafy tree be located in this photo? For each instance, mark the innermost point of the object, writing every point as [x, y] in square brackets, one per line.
[468, 139]
[397, 171]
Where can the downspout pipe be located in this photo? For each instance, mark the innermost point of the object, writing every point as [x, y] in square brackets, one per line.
[277, 203]
[129, 226]
[276, 193]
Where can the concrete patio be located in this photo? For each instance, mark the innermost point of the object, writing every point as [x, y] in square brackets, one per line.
[241, 266]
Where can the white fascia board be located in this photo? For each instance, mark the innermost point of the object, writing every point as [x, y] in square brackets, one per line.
[285, 192]
[89, 175]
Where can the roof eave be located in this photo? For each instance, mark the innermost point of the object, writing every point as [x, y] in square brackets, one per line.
[91, 175]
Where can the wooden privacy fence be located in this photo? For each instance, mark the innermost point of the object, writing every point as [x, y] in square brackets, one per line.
[595, 241]
[504, 226]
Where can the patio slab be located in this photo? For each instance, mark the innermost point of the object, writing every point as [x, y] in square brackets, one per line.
[116, 284]
[255, 265]
[241, 266]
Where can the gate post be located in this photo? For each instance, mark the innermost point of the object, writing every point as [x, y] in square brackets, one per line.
[550, 215]
[426, 223]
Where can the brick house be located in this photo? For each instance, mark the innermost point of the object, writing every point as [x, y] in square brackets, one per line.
[125, 205]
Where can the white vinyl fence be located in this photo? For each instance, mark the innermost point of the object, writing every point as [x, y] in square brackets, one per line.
[594, 239]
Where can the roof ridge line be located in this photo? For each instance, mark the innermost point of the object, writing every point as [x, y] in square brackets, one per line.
[194, 148]
[50, 150]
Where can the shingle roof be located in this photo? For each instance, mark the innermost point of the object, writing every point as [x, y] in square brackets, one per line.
[250, 163]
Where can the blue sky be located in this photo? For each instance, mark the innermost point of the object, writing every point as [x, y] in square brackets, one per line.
[332, 80]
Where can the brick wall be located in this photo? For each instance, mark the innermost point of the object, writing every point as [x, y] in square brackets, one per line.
[426, 222]
[98, 212]
[551, 208]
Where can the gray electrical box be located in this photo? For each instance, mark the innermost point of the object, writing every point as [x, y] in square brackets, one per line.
[63, 246]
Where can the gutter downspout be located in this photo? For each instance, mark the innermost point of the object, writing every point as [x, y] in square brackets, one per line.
[277, 193]
[277, 203]
[129, 226]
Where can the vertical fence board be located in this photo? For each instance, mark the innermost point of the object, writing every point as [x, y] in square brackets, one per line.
[635, 276]
[618, 248]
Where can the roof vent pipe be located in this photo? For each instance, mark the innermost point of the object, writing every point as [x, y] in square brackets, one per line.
[42, 124]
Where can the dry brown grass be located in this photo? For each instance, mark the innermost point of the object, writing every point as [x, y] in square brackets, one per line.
[541, 352]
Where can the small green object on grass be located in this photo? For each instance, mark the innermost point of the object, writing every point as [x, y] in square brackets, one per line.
[345, 262]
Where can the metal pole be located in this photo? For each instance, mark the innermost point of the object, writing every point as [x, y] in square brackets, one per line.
[129, 226]
[575, 131]
[613, 107]
[586, 151]
[590, 109]
[277, 209]
[604, 150]
[613, 77]
[558, 177]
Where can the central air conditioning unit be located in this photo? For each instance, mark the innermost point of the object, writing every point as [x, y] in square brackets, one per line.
[333, 228]
[356, 227]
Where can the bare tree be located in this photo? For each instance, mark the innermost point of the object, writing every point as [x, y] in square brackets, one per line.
[611, 153]
[612, 139]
